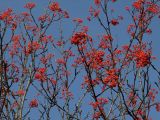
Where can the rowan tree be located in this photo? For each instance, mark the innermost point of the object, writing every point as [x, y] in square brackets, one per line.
[49, 72]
